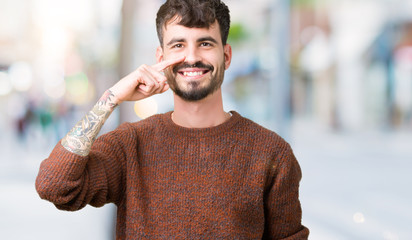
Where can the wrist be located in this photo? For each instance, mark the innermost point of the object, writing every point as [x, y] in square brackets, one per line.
[108, 101]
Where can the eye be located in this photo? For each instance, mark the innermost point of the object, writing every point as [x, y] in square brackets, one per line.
[206, 44]
[179, 45]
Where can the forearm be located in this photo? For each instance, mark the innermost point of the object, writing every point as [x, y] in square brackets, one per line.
[142, 83]
[81, 137]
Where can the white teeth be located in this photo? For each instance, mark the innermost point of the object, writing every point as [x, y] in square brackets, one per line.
[192, 74]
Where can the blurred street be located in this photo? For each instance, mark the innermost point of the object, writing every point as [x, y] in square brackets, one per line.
[354, 186]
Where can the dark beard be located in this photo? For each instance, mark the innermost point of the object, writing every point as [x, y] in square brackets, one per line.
[194, 92]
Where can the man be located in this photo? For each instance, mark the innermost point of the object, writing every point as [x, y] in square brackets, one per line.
[197, 172]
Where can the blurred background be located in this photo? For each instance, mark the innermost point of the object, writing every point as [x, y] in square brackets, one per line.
[333, 77]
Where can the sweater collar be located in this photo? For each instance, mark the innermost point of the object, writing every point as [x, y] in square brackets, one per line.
[200, 132]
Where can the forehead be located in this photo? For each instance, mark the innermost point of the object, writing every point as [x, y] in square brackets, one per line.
[174, 30]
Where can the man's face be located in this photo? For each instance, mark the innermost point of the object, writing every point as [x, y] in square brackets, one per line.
[202, 71]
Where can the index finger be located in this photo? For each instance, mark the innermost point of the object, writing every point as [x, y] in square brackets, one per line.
[166, 63]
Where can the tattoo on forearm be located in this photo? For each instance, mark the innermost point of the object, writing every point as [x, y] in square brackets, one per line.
[80, 139]
[107, 100]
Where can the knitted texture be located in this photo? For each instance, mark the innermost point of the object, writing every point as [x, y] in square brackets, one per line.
[237, 180]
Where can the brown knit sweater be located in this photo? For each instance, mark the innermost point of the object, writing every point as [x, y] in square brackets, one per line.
[234, 181]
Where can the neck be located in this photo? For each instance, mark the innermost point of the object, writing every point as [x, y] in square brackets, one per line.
[204, 113]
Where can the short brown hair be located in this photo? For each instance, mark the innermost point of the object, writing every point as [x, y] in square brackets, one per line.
[194, 13]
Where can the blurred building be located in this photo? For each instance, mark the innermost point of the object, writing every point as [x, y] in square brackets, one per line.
[55, 53]
[389, 69]
[55, 58]
[345, 67]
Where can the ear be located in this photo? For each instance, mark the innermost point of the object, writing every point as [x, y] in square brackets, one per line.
[228, 55]
[159, 54]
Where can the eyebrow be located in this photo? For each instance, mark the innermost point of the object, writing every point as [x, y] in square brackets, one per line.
[207, 39]
[175, 40]
[203, 39]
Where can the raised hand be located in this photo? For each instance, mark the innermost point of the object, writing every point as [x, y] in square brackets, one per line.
[144, 82]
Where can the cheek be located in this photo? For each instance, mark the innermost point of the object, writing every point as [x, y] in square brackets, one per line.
[169, 73]
[171, 54]
[221, 63]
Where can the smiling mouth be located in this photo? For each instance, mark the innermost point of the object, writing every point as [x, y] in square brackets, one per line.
[193, 73]
[195, 70]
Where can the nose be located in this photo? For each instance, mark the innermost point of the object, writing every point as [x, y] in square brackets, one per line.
[192, 55]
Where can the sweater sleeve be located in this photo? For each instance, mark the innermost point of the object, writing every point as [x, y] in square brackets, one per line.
[71, 181]
[283, 211]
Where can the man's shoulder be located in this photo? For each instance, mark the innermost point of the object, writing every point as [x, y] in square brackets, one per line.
[260, 137]
[144, 128]
[261, 141]
[254, 129]
[147, 124]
